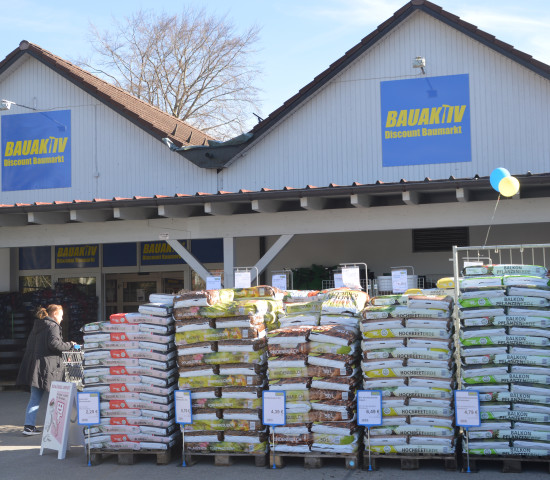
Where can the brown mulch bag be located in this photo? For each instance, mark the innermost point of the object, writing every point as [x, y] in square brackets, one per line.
[323, 395]
[301, 439]
[278, 349]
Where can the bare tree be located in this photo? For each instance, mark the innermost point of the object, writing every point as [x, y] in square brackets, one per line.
[195, 66]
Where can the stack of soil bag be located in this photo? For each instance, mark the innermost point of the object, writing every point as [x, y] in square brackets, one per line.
[407, 354]
[221, 341]
[334, 362]
[317, 367]
[287, 371]
[505, 351]
[131, 362]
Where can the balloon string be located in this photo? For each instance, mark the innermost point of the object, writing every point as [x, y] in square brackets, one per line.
[492, 218]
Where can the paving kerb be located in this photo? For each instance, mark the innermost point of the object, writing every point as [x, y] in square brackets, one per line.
[20, 459]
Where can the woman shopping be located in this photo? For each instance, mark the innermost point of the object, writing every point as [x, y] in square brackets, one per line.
[41, 364]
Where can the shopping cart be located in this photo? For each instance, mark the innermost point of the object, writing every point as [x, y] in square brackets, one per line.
[72, 361]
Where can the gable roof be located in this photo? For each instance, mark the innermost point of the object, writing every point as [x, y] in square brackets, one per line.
[222, 156]
[154, 121]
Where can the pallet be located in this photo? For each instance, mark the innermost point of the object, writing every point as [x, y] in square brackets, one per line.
[129, 457]
[510, 464]
[409, 462]
[225, 459]
[315, 459]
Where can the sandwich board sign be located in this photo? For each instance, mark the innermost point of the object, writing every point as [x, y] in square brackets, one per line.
[61, 402]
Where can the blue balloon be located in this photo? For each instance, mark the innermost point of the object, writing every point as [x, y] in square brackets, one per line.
[497, 175]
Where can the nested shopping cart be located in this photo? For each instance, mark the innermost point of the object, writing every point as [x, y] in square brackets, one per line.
[72, 362]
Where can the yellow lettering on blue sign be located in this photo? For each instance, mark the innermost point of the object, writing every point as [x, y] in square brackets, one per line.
[426, 116]
[36, 146]
[79, 251]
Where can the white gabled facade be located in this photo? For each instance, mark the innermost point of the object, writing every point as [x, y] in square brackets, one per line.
[335, 135]
[110, 155]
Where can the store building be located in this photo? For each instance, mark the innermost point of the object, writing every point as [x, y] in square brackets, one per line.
[383, 159]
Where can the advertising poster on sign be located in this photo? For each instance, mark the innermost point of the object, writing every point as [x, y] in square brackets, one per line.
[184, 411]
[243, 279]
[61, 402]
[425, 120]
[278, 281]
[399, 281]
[274, 408]
[467, 408]
[36, 150]
[213, 283]
[88, 408]
[369, 408]
[351, 277]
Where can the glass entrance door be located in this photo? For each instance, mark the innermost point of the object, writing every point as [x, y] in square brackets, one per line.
[124, 293]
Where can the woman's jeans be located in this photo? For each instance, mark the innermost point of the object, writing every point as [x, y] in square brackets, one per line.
[33, 405]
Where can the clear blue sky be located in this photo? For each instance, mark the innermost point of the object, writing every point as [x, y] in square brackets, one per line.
[299, 38]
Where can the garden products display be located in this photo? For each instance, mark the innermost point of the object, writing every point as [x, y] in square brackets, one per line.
[407, 354]
[131, 361]
[505, 340]
[317, 367]
[221, 341]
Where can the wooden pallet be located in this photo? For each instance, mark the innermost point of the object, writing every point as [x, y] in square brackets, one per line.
[225, 459]
[409, 462]
[315, 459]
[129, 457]
[509, 464]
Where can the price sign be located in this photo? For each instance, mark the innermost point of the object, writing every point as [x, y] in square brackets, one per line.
[350, 277]
[399, 281]
[467, 408]
[242, 279]
[184, 413]
[369, 408]
[274, 408]
[338, 282]
[88, 408]
[213, 283]
[279, 281]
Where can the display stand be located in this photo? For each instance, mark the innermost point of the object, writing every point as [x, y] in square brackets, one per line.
[184, 415]
[274, 412]
[467, 415]
[369, 412]
[61, 402]
[88, 414]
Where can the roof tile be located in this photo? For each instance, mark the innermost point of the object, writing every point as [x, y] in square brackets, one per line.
[150, 118]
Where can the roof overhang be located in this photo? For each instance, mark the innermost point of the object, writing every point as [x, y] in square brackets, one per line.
[332, 197]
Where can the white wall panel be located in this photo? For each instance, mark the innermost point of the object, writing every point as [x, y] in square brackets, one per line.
[130, 162]
[336, 135]
[382, 250]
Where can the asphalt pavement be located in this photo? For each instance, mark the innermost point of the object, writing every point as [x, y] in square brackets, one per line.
[20, 459]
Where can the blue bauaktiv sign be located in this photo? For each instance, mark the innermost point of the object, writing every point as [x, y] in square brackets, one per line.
[36, 150]
[425, 120]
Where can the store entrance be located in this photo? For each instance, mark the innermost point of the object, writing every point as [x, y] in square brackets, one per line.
[124, 293]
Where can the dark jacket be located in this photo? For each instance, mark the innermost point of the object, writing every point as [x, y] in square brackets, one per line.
[41, 364]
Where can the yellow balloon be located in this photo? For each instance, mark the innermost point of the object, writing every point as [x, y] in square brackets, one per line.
[508, 186]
